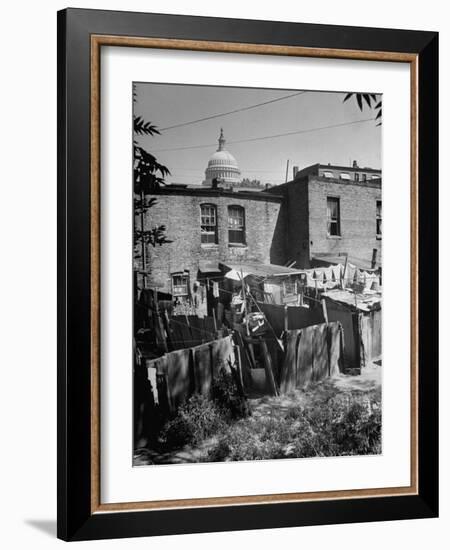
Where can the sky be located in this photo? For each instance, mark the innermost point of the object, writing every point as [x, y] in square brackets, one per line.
[185, 150]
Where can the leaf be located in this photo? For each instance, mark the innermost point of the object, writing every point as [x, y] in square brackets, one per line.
[141, 127]
[359, 100]
[367, 99]
[348, 96]
[378, 115]
[378, 105]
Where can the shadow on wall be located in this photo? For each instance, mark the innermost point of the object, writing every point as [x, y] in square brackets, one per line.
[278, 245]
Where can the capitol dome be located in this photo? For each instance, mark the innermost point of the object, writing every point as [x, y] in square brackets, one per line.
[222, 166]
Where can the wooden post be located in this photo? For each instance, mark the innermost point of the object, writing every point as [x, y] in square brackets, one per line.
[166, 321]
[159, 321]
[268, 368]
[237, 353]
[374, 258]
[215, 321]
[324, 309]
[286, 318]
[343, 284]
[245, 303]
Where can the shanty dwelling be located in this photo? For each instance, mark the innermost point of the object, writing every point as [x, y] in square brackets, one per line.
[360, 316]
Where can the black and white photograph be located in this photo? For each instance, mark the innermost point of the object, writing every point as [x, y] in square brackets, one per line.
[257, 273]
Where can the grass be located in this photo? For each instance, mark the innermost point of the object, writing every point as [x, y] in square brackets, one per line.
[332, 426]
[322, 421]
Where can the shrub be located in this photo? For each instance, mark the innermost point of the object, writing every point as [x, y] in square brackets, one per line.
[341, 425]
[226, 394]
[195, 421]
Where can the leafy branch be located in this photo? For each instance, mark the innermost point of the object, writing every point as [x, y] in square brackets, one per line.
[372, 102]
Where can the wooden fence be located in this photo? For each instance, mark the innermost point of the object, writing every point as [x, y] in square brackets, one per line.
[311, 354]
[295, 317]
[186, 331]
[179, 374]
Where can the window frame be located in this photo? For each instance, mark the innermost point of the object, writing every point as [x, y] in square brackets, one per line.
[209, 233]
[336, 221]
[233, 229]
[184, 276]
[379, 218]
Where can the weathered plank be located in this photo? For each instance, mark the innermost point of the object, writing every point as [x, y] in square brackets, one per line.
[289, 368]
[179, 376]
[320, 353]
[202, 369]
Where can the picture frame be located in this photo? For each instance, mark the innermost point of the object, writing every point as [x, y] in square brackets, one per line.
[81, 35]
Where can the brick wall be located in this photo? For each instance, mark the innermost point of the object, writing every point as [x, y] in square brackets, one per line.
[180, 213]
[298, 227]
[357, 213]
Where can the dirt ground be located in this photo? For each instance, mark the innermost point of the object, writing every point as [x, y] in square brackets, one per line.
[368, 380]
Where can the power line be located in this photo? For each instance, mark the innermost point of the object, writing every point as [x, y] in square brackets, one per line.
[268, 137]
[241, 168]
[230, 112]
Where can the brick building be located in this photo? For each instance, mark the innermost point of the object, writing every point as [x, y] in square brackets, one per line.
[208, 226]
[324, 213]
[331, 211]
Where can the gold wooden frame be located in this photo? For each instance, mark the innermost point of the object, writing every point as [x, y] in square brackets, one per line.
[97, 41]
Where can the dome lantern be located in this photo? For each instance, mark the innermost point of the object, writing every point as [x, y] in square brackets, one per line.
[221, 141]
[222, 166]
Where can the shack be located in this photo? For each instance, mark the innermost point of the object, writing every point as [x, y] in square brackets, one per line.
[360, 316]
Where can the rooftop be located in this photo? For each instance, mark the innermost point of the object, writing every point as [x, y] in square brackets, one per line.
[203, 191]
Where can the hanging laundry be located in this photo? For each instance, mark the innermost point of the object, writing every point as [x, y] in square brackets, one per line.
[310, 280]
[337, 271]
[318, 275]
[328, 274]
[349, 275]
[215, 289]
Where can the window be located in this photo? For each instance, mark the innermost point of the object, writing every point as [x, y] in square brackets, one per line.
[364, 177]
[180, 285]
[208, 222]
[379, 219]
[356, 176]
[236, 225]
[333, 217]
[327, 174]
[344, 176]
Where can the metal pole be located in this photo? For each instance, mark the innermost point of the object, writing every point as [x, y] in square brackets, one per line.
[287, 170]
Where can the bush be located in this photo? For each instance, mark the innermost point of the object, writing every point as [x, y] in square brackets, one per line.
[196, 420]
[330, 427]
[226, 394]
[201, 417]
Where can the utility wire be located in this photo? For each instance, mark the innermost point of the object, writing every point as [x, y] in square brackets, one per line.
[270, 137]
[230, 112]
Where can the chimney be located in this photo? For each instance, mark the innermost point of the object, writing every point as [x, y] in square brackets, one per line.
[355, 164]
[295, 170]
